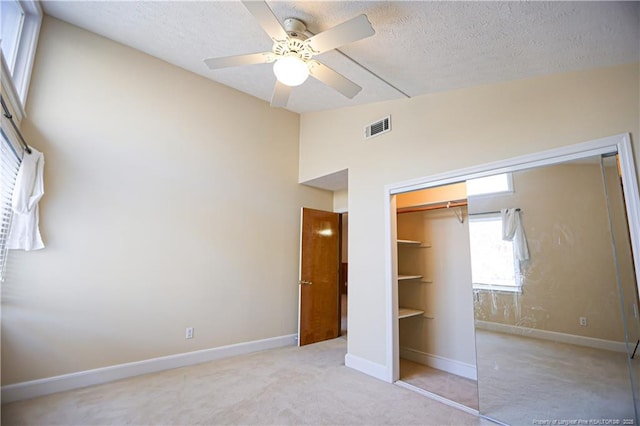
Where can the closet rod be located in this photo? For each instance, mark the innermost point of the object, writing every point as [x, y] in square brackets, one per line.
[434, 206]
[7, 114]
[491, 212]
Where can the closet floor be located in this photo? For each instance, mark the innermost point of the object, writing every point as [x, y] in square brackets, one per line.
[447, 385]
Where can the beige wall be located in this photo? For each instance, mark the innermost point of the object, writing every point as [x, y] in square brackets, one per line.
[341, 201]
[443, 132]
[571, 271]
[171, 201]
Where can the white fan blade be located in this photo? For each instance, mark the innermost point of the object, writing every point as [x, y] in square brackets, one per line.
[280, 95]
[352, 30]
[332, 79]
[235, 61]
[267, 20]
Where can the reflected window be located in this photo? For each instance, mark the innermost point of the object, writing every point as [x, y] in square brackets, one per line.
[493, 263]
[490, 185]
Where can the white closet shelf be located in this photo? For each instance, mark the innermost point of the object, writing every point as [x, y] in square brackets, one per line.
[409, 242]
[408, 312]
[409, 277]
[414, 243]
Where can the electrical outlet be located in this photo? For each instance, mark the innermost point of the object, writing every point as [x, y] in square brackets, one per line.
[189, 333]
[583, 321]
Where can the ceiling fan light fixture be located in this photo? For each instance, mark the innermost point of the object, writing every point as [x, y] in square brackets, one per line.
[291, 70]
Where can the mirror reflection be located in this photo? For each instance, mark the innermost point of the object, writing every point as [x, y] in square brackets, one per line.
[554, 296]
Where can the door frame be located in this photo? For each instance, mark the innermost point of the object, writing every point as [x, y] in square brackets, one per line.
[619, 144]
[341, 272]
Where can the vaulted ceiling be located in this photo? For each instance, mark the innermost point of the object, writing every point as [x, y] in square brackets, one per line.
[419, 47]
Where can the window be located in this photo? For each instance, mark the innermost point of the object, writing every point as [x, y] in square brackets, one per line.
[20, 26]
[490, 185]
[493, 264]
[12, 20]
[9, 164]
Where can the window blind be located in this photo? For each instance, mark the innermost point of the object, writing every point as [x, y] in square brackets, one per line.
[9, 164]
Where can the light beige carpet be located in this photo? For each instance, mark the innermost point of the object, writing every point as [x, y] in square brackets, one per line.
[523, 381]
[308, 385]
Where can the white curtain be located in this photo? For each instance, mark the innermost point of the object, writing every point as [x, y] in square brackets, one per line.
[29, 188]
[512, 231]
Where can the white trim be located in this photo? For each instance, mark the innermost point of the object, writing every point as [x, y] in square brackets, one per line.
[449, 365]
[379, 371]
[391, 259]
[10, 94]
[65, 382]
[620, 144]
[27, 44]
[544, 158]
[554, 336]
[300, 273]
[631, 199]
[437, 397]
[499, 288]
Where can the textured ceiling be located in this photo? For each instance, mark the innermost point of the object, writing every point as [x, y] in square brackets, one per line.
[419, 47]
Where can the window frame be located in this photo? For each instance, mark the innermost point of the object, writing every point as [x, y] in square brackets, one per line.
[15, 83]
[12, 60]
[517, 281]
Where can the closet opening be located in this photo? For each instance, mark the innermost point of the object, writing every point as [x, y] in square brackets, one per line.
[551, 330]
[435, 314]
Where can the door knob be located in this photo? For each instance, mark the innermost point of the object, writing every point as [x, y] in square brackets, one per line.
[305, 282]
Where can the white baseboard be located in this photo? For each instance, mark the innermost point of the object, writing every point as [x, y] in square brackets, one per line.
[441, 363]
[590, 342]
[365, 366]
[40, 387]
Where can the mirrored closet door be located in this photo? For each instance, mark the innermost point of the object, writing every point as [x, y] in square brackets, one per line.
[555, 298]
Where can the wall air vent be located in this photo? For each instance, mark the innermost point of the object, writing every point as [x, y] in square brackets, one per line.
[378, 128]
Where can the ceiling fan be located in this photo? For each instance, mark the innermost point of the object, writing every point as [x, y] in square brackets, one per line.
[293, 51]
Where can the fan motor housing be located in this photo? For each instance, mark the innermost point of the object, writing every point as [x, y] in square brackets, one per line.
[296, 44]
[295, 28]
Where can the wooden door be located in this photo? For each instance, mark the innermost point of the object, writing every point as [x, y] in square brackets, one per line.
[319, 318]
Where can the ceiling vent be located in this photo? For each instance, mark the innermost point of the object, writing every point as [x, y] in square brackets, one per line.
[378, 128]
